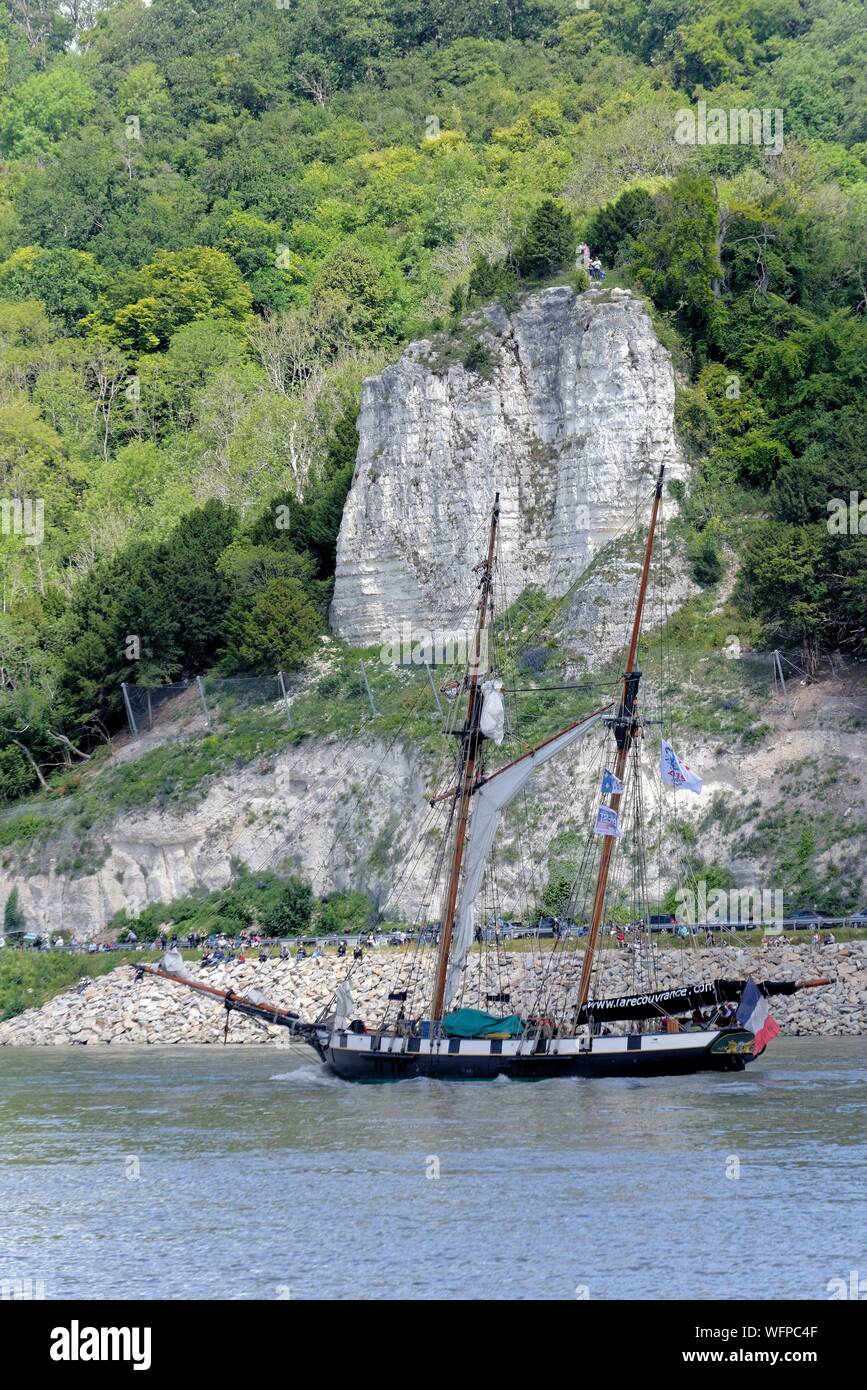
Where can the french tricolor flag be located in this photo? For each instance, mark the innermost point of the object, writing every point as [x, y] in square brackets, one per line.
[754, 1014]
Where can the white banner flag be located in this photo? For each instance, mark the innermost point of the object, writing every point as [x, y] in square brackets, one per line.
[607, 822]
[673, 771]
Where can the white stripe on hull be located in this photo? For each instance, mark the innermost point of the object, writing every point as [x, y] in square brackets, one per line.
[394, 1044]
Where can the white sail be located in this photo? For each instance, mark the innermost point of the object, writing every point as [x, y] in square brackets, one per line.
[343, 1005]
[493, 719]
[488, 805]
[174, 963]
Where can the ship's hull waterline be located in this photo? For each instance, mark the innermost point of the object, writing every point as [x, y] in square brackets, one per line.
[387, 1057]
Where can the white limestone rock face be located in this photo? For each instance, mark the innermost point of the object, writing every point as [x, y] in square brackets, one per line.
[297, 813]
[571, 428]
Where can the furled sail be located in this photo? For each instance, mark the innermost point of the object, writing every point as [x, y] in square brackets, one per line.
[343, 1004]
[489, 801]
[493, 719]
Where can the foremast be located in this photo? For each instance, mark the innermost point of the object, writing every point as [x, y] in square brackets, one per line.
[626, 725]
[470, 743]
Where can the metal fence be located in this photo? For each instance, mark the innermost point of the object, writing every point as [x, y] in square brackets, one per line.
[199, 703]
[723, 691]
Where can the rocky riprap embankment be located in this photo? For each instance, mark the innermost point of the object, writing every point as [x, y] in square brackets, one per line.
[117, 1009]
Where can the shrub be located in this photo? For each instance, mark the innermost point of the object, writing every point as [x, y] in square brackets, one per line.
[291, 913]
[479, 359]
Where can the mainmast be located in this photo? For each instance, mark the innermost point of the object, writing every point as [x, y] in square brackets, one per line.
[626, 726]
[470, 741]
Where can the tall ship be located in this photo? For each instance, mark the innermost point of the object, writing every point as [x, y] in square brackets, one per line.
[447, 1020]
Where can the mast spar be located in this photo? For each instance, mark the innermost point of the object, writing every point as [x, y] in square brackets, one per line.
[470, 741]
[626, 725]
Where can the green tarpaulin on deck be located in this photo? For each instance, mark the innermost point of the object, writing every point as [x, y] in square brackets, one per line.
[472, 1023]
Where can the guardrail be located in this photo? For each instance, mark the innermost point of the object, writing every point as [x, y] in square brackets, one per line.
[426, 937]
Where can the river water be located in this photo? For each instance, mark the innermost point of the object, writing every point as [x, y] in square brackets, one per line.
[246, 1172]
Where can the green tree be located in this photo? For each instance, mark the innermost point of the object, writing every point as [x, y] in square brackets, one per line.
[548, 244]
[347, 909]
[291, 913]
[557, 894]
[14, 921]
[67, 282]
[44, 108]
[371, 286]
[175, 288]
[278, 631]
[617, 224]
[676, 255]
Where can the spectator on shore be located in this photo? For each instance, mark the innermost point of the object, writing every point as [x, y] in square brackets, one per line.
[341, 948]
[358, 954]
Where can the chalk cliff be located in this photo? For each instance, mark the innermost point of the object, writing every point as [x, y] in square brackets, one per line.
[569, 419]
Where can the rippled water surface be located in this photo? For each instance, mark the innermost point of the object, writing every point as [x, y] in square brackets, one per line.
[258, 1176]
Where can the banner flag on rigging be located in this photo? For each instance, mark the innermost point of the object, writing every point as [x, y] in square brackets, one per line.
[754, 1015]
[672, 770]
[607, 822]
[610, 783]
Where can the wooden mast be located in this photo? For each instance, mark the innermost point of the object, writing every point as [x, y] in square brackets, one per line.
[625, 728]
[470, 740]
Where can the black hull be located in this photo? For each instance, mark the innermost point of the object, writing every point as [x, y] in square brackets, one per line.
[373, 1067]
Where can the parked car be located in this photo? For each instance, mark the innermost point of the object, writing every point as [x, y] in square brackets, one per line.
[803, 919]
[859, 919]
[659, 921]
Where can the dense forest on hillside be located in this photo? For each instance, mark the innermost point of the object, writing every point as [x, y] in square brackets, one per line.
[216, 218]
